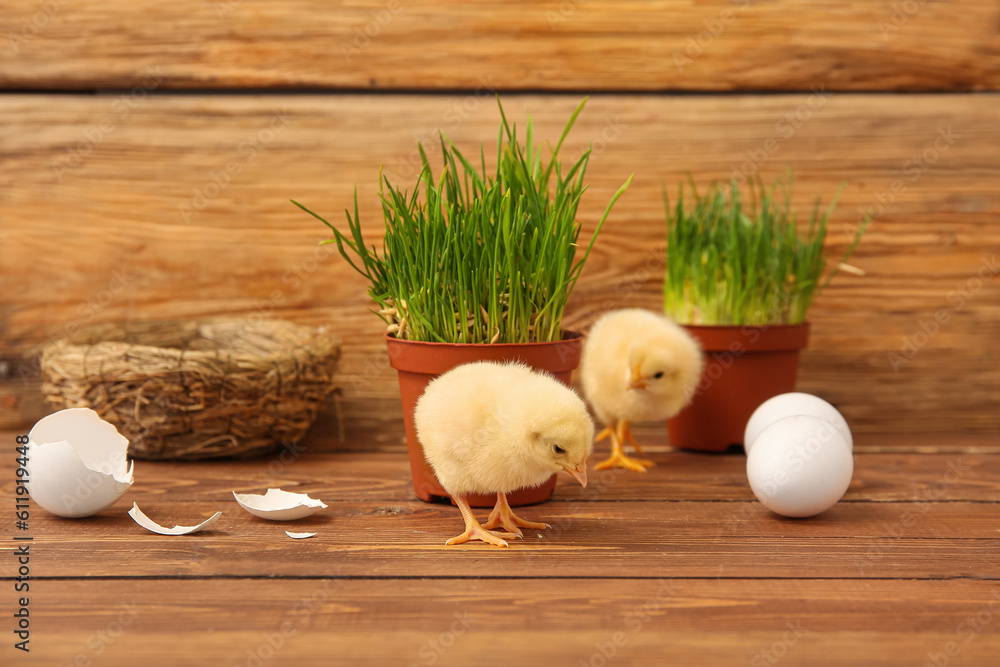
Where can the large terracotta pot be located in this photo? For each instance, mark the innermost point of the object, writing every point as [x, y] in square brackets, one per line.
[744, 366]
[418, 363]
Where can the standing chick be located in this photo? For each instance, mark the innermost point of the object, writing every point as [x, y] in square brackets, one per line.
[493, 428]
[636, 367]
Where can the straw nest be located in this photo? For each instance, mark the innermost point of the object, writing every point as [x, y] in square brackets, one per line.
[196, 390]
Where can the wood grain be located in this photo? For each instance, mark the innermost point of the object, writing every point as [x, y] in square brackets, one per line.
[523, 45]
[677, 562]
[383, 477]
[905, 515]
[178, 207]
[466, 621]
[860, 541]
[131, 201]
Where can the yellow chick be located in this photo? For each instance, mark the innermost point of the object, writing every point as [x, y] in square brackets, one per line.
[493, 428]
[637, 367]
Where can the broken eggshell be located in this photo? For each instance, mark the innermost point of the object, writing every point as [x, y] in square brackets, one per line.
[140, 518]
[299, 536]
[77, 463]
[278, 505]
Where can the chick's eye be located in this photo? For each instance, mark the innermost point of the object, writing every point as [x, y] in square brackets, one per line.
[658, 375]
[558, 450]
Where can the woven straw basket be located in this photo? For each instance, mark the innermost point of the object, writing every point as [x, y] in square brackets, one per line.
[184, 390]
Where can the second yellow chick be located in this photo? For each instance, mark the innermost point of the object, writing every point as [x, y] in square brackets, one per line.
[637, 366]
[493, 428]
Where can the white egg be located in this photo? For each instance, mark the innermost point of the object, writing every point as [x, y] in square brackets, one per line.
[77, 463]
[788, 405]
[800, 466]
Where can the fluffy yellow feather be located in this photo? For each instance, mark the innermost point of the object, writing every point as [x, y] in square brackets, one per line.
[637, 367]
[494, 428]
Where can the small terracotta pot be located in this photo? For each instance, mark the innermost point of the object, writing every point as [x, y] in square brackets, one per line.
[744, 366]
[418, 363]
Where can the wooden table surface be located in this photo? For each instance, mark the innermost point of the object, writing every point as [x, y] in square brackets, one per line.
[678, 566]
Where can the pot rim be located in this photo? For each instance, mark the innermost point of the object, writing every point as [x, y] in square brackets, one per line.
[431, 357]
[750, 337]
[568, 336]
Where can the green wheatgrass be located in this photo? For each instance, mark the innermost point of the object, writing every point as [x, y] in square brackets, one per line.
[477, 258]
[733, 263]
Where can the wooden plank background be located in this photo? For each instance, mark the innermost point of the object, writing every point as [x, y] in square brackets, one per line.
[147, 166]
[681, 561]
[464, 622]
[638, 45]
[908, 516]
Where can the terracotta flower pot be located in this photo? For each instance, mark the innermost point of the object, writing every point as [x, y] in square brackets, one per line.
[418, 363]
[744, 366]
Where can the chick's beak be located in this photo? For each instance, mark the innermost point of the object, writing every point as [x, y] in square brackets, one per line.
[636, 381]
[579, 473]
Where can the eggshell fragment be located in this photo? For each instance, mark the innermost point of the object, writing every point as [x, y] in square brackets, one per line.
[800, 466]
[152, 526]
[789, 405]
[299, 536]
[278, 505]
[77, 463]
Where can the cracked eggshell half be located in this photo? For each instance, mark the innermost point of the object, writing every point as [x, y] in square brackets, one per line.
[278, 505]
[77, 463]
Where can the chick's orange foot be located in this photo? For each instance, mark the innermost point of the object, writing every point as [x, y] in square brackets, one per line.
[474, 531]
[620, 460]
[503, 516]
[621, 434]
[477, 532]
[626, 436]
